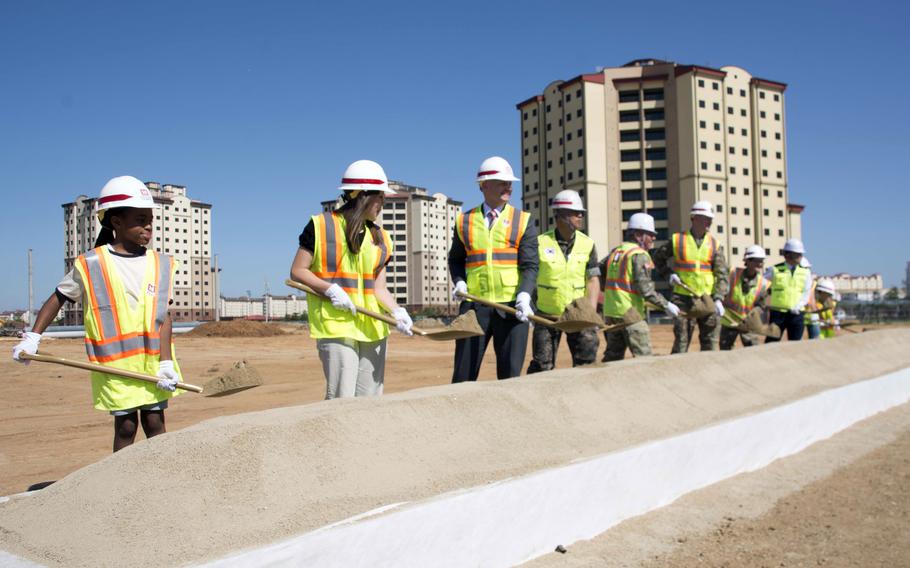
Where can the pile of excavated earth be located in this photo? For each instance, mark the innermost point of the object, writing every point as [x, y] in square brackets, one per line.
[236, 328]
[243, 481]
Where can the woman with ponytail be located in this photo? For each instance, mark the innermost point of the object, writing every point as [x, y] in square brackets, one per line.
[125, 290]
[342, 255]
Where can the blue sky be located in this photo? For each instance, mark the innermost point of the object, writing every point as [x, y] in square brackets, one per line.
[257, 107]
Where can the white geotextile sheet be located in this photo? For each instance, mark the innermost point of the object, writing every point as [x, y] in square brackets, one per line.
[514, 520]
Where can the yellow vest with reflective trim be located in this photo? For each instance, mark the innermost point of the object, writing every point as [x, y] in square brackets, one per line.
[737, 304]
[619, 292]
[561, 280]
[786, 287]
[827, 315]
[693, 263]
[120, 336]
[492, 253]
[355, 273]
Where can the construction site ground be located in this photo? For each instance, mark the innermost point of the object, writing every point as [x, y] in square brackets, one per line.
[843, 502]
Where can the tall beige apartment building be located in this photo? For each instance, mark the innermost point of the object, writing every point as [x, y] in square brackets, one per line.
[657, 136]
[182, 229]
[421, 227]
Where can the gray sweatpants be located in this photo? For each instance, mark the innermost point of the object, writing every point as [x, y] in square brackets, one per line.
[352, 368]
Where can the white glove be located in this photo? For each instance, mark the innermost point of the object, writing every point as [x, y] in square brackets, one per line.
[29, 344]
[675, 280]
[404, 320]
[167, 376]
[796, 311]
[672, 310]
[340, 298]
[719, 308]
[461, 287]
[814, 318]
[523, 305]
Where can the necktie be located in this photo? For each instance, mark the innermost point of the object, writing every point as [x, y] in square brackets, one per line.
[491, 217]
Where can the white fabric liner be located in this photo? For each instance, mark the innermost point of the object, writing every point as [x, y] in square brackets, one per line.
[515, 520]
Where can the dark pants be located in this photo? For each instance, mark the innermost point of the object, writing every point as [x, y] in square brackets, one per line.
[814, 330]
[545, 344]
[510, 341]
[792, 324]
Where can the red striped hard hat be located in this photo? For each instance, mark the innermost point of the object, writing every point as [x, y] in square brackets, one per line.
[567, 199]
[124, 191]
[365, 175]
[497, 168]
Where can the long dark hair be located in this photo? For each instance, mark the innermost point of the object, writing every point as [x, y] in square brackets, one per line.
[106, 234]
[353, 212]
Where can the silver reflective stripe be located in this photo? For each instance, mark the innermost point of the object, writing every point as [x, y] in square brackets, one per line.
[466, 229]
[505, 256]
[331, 263]
[475, 258]
[101, 300]
[516, 220]
[163, 289]
[124, 345]
[349, 282]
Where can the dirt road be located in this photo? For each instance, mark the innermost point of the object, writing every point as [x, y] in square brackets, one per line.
[49, 428]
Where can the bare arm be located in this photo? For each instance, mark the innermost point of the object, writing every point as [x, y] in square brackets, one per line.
[382, 293]
[594, 290]
[165, 338]
[48, 313]
[300, 272]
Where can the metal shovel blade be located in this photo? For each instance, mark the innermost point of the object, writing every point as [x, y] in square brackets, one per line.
[239, 378]
[462, 327]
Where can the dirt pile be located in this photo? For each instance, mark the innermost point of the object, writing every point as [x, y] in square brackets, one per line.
[236, 328]
[241, 376]
[257, 478]
[581, 315]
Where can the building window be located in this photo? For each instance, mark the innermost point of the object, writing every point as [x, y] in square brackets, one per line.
[780, 193]
[716, 106]
[717, 147]
[701, 82]
[659, 214]
[720, 208]
[717, 126]
[776, 97]
[704, 186]
[731, 130]
[745, 132]
[703, 145]
[629, 136]
[764, 134]
[776, 116]
[630, 155]
[719, 187]
[654, 114]
[654, 94]
[761, 95]
[631, 175]
[631, 195]
[742, 92]
[715, 86]
[701, 104]
[717, 167]
[733, 210]
[778, 155]
[765, 211]
[704, 165]
[720, 229]
[732, 150]
[628, 116]
[657, 193]
[748, 231]
[745, 151]
[764, 173]
[742, 112]
[656, 173]
[777, 135]
[732, 169]
[628, 96]
[655, 134]
[746, 211]
[656, 154]
[761, 114]
[702, 124]
[729, 110]
[729, 90]
[735, 231]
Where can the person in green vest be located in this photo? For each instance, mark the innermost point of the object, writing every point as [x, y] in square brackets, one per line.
[568, 271]
[695, 260]
[627, 284]
[791, 286]
[342, 255]
[822, 305]
[749, 289]
[494, 256]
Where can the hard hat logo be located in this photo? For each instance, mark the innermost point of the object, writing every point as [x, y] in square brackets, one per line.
[496, 168]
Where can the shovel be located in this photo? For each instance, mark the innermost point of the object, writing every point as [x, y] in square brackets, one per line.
[753, 323]
[463, 326]
[702, 306]
[566, 325]
[682, 314]
[43, 358]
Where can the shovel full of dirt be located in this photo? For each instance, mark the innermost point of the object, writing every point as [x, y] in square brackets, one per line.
[228, 384]
[579, 315]
[702, 305]
[754, 323]
[464, 326]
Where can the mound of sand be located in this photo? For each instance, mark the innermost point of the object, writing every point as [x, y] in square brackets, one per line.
[247, 480]
[236, 328]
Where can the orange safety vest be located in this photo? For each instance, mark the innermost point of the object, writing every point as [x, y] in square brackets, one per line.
[740, 303]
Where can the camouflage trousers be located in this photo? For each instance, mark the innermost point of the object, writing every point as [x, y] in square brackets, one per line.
[545, 344]
[728, 337]
[708, 328]
[637, 337]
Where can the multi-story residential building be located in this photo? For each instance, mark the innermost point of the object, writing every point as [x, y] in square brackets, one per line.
[421, 227]
[264, 307]
[864, 288]
[657, 136]
[182, 229]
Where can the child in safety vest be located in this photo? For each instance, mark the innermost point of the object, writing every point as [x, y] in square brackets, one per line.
[125, 289]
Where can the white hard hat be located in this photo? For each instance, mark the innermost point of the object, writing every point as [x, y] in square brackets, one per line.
[567, 199]
[642, 222]
[754, 251]
[825, 285]
[365, 175]
[124, 191]
[794, 245]
[495, 168]
[804, 262]
[703, 208]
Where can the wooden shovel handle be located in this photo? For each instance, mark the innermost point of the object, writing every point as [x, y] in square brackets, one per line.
[369, 313]
[505, 308]
[44, 358]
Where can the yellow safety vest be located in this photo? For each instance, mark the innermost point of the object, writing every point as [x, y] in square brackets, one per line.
[812, 305]
[561, 280]
[786, 287]
[355, 273]
[492, 253]
[692, 263]
[737, 304]
[122, 337]
[619, 293]
[827, 315]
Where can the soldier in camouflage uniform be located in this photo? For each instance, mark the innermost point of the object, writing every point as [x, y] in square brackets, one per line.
[627, 284]
[567, 271]
[749, 289]
[696, 259]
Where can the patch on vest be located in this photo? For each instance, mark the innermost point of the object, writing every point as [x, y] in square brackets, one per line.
[150, 291]
[506, 222]
[549, 251]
